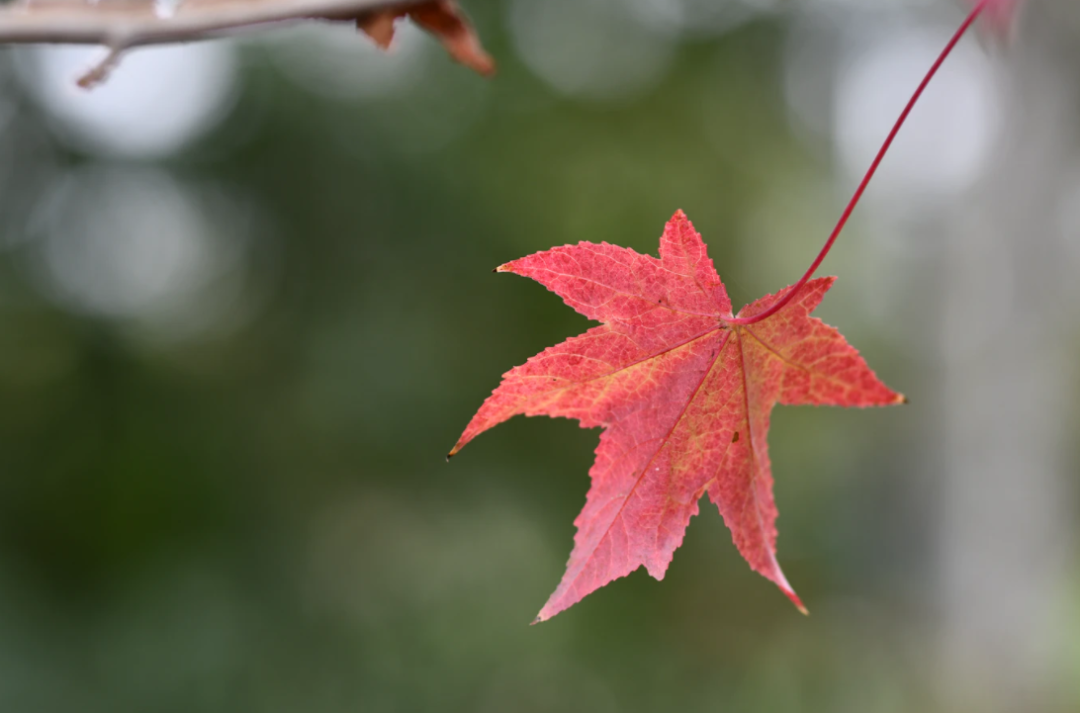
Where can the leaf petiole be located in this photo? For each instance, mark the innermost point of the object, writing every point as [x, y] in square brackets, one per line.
[790, 293]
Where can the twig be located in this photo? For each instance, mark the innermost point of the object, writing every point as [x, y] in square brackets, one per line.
[123, 25]
[100, 71]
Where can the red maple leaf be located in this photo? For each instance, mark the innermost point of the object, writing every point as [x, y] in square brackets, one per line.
[683, 390]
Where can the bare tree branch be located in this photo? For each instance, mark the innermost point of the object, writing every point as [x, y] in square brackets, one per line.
[121, 25]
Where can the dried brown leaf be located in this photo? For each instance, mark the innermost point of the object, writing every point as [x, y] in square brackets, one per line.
[442, 18]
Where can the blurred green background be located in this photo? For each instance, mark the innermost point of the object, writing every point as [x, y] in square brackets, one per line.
[246, 306]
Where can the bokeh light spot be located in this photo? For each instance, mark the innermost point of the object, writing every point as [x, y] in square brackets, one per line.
[156, 102]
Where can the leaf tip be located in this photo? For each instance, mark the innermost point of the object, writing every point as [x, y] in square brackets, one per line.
[901, 399]
[789, 592]
[797, 602]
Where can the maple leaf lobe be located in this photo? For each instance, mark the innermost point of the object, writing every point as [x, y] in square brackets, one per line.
[682, 394]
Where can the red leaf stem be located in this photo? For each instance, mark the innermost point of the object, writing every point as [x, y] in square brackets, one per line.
[790, 294]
